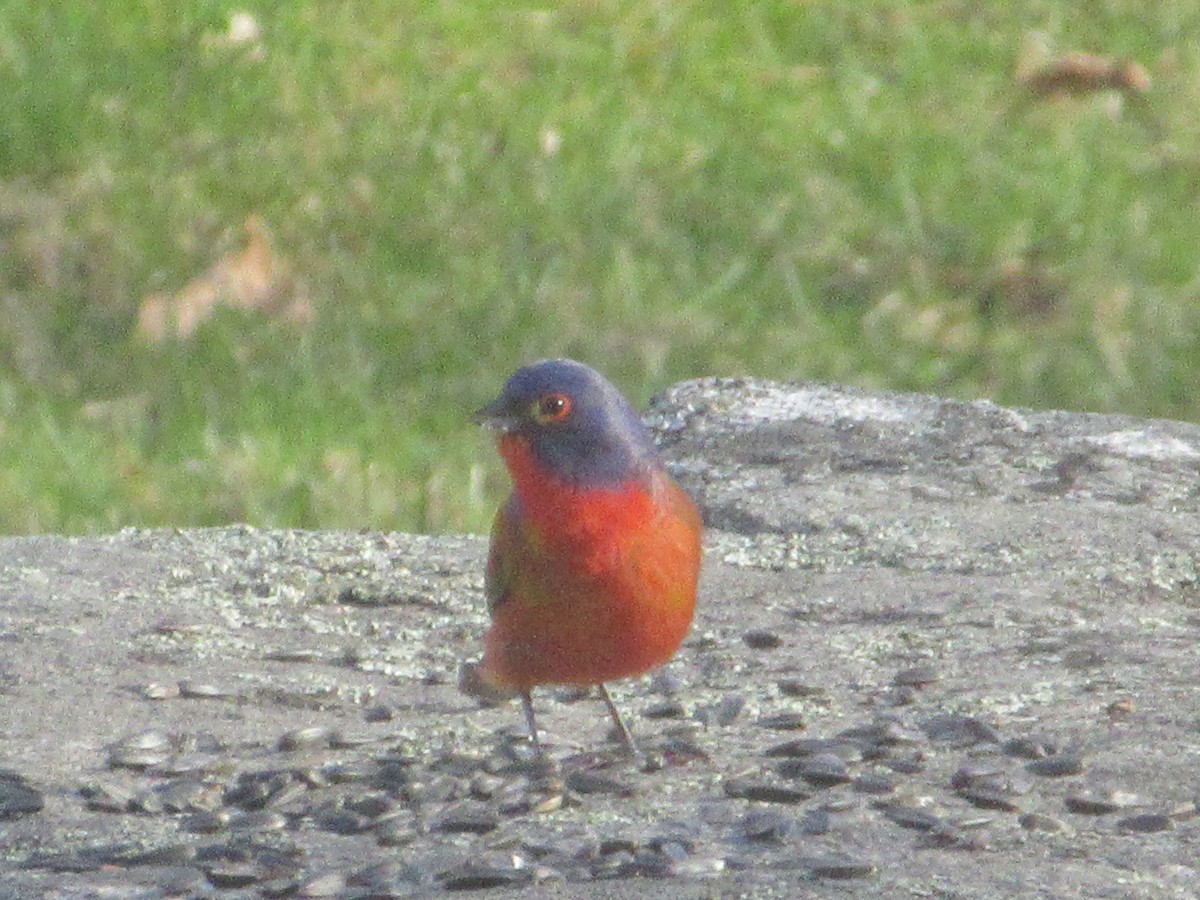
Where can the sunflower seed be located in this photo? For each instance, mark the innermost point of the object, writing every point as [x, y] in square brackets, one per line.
[764, 826]
[1039, 822]
[910, 816]
[763, 791]
[819, 770]
[1099, 802]
[17, 797]
[583, 782]
[917, 676]
[160, 691]
[1061, 766]
[1145, 823]
[308, 738]
[762, 639]
[784, 722]
[874, 783]
[842, 869]
[470, 817]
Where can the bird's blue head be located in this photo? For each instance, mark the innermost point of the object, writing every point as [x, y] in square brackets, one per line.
[577, 425]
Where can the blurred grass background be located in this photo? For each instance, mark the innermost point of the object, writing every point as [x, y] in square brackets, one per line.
[865, 193]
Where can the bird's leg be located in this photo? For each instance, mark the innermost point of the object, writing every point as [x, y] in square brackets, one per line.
[627, 740]
[531, 721]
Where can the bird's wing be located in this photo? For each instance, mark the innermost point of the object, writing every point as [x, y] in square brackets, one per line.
[497, 580]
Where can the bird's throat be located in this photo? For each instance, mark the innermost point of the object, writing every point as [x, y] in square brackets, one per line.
[571, 513]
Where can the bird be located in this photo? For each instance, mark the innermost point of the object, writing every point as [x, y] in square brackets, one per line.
[594, 560]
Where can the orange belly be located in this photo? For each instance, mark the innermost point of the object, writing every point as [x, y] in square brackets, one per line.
[589, 644]
[612, 607]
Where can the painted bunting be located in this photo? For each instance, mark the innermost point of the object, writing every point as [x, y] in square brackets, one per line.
[595, 556]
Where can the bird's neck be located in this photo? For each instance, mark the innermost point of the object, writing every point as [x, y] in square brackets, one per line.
[561, 510]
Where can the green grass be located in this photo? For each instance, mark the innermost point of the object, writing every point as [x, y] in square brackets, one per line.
[849, 192]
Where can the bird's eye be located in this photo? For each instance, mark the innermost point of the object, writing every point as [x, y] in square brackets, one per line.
[551, 408]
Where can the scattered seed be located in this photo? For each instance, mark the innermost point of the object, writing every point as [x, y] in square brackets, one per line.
[105, 797]
[909, 816]
[186, 795]
[395, 831]
[783, 722]
[1060, 766]
[905, 695]
[197, 690]
[819, 770]
[385, 880]
[329, 884]
[304, 739]
[476, 877]
[885, 731]
[259, 821]
[677, 751]
[207, 822]
[907, 765]
[231, 874]
[982, 731]
[817, 821]
[546, 802]
[790, 687]
[666, 709]
[1039, 822]
[722, 714]
[253, 790]
[874, 783]
[484, 786]
[762, 639]
[764, 826]
[1099, 802]
[169, 628]
[1030, 748]
[847, 751]
[17, 797]
[380, 712]
[242, 863]
[192, 764]
[952, 728]
[675, 851]
[1145, 823]
[842, 870]
[1181, 812]
[392, 776]
[293, 656]
[970, 823]
[140, 751]
[373, 805]
[339, 740]
[461, 764]
[917, 676]
[170, 854]
[988, 798]
[352, 772]
[973, 774]
[952, 837]
[160, 691]
[470, 817]
[584, 782]
[839, 803]
[763, 791]
[433, 789]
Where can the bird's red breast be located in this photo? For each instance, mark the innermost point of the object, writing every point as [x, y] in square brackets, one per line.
[587, 583]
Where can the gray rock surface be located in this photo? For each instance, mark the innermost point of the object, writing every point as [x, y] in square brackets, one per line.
[996, 614]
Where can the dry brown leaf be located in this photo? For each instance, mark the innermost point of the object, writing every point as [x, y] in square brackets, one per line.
[254, 278]
[1077, 74]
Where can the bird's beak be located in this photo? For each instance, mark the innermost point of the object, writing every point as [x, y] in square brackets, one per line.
[497, 416]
